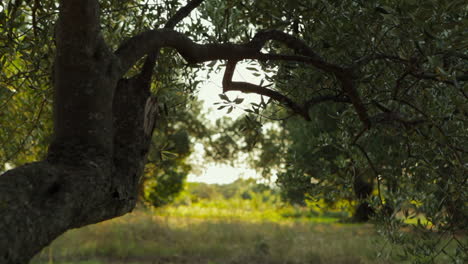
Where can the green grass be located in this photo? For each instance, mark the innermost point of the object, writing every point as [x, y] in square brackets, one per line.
[222, 232]
[143, 238]
[248, 210]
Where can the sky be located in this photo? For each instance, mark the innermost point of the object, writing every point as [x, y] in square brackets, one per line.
[209, 90]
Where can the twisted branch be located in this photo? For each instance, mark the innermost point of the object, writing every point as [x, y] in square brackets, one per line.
[229, 85]
[133, 49]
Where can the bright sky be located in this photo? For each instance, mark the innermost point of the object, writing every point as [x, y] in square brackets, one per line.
[214, 173]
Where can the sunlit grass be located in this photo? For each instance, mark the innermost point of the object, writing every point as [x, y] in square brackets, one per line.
[239, 209]
[143, 237]
[239, 214]
[225, 232]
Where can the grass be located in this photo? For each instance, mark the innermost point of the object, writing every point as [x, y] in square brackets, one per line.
[238, 209]
[224, 231]
[221, 231]
[144, 237]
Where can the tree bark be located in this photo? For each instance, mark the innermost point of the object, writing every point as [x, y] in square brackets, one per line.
[98, 149]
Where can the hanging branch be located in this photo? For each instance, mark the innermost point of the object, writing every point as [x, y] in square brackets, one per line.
[374, 169]
[229, 85]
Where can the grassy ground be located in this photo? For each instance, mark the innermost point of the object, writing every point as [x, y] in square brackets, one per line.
[173, 237]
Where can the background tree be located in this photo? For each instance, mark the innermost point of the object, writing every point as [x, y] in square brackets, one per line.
[168, 159]
[407, 65]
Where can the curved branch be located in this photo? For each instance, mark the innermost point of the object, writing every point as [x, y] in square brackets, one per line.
[148, 41]
[138, 46]
[142, 44]
[229, 85]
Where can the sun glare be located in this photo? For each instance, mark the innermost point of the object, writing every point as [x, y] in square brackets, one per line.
[223, 174]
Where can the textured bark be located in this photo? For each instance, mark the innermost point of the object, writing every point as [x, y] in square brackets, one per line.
[98, 147]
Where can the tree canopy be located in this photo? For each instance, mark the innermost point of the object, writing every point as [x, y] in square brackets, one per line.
[365, 88]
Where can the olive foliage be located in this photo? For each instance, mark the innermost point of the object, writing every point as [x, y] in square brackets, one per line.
[409, 159]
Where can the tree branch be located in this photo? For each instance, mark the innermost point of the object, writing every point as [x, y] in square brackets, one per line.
[150, 62]
[229, 85]
[297, 45]
[374, 169]
[182, 13]
[84, 79]
[133, 49]
[136, 47]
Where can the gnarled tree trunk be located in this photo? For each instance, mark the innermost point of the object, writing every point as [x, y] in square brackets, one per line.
[92, 170]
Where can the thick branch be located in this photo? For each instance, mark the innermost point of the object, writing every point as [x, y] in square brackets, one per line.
[131, 141]
[84, 83]
[140, 45]
[40, 201]
[134, 114]
[146, 42]
[348, 85]
[78, 26]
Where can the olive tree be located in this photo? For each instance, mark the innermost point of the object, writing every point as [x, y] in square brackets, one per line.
[392, 63]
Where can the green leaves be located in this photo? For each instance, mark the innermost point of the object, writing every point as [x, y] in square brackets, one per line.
[228, 103]
[224, 97]
[238, 100]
